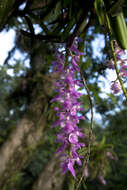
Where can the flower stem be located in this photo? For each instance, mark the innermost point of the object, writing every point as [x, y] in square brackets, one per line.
[90, 131]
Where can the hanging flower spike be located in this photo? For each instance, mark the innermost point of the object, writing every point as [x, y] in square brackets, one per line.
[68, 117]
[122, 64]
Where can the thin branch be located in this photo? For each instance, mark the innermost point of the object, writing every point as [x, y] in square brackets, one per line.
[31, 28]
[28, 4]
[30, 25]
[50, 38]
[10, 53]
[90, 131]
[91, 106]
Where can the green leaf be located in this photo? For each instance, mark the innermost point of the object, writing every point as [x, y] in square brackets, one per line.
[54, 13]
[116, 8]
[120, 29]
[98, 4]
[82, 151]
[84, 185]
[71, 184]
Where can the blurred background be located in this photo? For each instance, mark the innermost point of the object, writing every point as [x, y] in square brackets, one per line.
[31, 30]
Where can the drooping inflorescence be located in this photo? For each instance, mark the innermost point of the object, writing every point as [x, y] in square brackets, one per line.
[69, 108]
[122, 65]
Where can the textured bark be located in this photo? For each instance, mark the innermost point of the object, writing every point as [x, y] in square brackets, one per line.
[19, 147]
[51, 178]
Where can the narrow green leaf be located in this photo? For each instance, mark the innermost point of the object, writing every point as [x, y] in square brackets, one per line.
[120, 29]
[116, 8]
[84, 185]
[98, 4]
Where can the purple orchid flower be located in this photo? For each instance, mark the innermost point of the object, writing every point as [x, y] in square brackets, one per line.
[68, 118]
[116, 88]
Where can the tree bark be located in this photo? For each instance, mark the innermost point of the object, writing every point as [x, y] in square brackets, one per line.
[51, 178]
[19, 147]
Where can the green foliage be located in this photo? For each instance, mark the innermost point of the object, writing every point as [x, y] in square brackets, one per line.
[99, 161]
[120, 29]
[116, 7]
[12, 181]
[99, 6]
[5, 9]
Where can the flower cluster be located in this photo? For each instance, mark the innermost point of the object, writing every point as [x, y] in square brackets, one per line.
[121, 60]
[68, 109]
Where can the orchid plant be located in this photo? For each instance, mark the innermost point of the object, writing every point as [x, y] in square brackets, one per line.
[69, 108]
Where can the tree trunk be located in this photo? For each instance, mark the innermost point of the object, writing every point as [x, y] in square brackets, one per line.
[21, 143]
[51, 178]
[19, 147]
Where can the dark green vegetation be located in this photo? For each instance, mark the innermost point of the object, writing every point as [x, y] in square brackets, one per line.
[27, 143]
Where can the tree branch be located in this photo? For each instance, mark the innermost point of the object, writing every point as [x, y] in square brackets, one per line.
[49, 38]
[10, 53]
